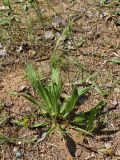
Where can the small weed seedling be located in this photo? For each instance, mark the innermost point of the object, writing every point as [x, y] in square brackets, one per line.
[59, 114]
[4, 139]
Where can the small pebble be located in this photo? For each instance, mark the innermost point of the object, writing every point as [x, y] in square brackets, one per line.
[105, 110]
[15, 149]
[9, 104]
[19, 142]
[58, 21]
[48, 35]
[22, 88]
[19, 49]
[108, 145]
[108, 158]
[117, 90]
[3, 52]
[115, 102]
[18, 154]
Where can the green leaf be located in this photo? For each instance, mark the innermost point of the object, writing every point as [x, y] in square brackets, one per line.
[118, 13]
[55, 78]
[14, 94]
[55, 75]
[43, 108]
[54, 99]
[51, 93]
[39, 87]
[3, 138]
[32, 76]
[39, 124]
[24, 7]
[17, 122]
[81, 130]
[26, 122]
[32, 100]
[51, 130]
[79, 120]
[117, 22]
[2, 105]
[23, 123]
[83, 91]
[49, 101]
[70, 104]
[100, 90]
[5, 22]
[4, 120]
[20, 1]
[96, 110]
[6, 2]
[55, 93]
[114, 61]
[31, 1]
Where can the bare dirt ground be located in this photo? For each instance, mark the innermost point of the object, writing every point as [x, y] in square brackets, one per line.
[98, 36]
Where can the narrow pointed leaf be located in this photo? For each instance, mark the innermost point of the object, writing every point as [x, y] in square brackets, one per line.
[70, 104]
[32, 76]
[79, 120]
[82, 130]
[35, 102]
[39, 87]
[114, 61]
[83, 91]
[55, 78]
[93, 114]
[39, 124]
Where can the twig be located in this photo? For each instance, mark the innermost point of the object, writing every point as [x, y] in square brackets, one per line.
[51, 144]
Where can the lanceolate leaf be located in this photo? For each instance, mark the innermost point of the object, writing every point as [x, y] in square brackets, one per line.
[32, 77]
[55, 78]
[44, 92]
[17, 122]
[54, 98]
[3, 138]
[39, 87]
[46, 134]
[83, 91]
[51, 93]
[79, 120]
[70, 104]
[43, 108]
[114, 61]
[31, 99]
[82, 130]
[100, 90]
[93, 114]
[57, 92]
[39, 124]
